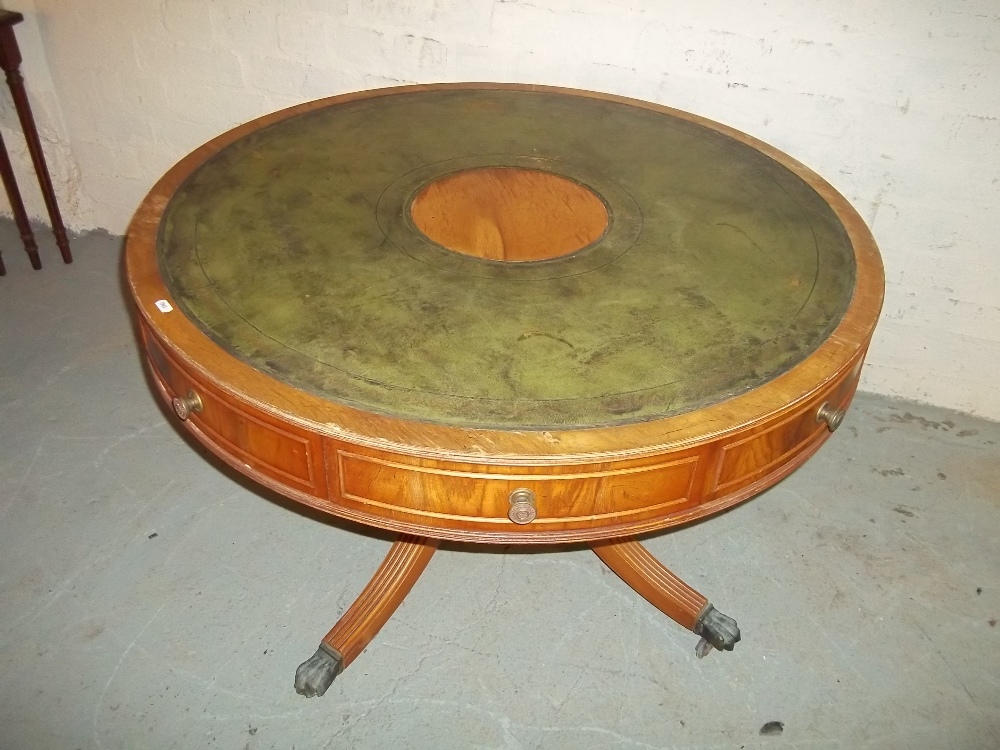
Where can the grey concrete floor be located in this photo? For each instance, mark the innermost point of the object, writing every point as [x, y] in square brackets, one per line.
[151, 599]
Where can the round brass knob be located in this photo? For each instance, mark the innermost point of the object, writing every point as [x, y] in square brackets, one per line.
[832, 417]
[184, 407]
[522, 506]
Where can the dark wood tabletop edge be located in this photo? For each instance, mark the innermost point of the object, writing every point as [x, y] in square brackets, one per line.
[10, 17]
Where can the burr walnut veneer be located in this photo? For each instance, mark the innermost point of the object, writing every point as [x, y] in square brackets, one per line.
[503, 314]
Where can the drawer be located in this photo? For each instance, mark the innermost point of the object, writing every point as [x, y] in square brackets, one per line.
[438, 492]
[247, 438]
[744, 461]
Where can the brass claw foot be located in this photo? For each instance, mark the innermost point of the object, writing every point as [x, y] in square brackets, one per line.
[716, 630]
[315, 675]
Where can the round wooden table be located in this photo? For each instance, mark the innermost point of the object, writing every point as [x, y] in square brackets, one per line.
[503, 314]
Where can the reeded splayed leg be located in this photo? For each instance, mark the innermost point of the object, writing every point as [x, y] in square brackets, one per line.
[669, 594]
[384, 593]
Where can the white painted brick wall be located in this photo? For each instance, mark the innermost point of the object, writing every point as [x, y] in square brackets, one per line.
[897, 104]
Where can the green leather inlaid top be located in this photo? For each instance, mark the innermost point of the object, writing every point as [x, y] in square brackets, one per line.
[295, 250]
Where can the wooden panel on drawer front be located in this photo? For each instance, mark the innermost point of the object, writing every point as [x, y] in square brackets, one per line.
[745, 461]
[439, 493]
[276, 449]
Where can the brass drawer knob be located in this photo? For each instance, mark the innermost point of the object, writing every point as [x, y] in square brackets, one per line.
[184, 407]
[522, 506]
[832, 417]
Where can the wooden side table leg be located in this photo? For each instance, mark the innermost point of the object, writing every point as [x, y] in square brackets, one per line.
[17, 206]
[384, 593]
[669, 594]
[10, 61]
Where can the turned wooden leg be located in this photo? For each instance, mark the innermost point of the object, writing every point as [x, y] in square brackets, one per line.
[17, 208]
[384, 593]
[669, 594]
[10, 61]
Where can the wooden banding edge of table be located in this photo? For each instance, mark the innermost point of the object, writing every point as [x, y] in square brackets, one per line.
[433, 480]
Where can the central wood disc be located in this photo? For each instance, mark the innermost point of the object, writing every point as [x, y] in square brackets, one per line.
[509, 214]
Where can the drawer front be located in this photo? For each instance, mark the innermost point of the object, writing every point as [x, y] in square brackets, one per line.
[246, 438]
[744, 461]
[441, 493]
